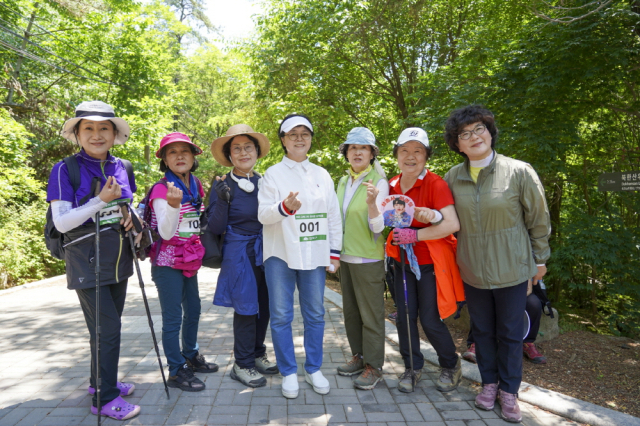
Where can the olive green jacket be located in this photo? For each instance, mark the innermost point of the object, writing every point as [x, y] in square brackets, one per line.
[503, 219]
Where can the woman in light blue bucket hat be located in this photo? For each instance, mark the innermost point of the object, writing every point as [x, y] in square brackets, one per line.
[362, 258]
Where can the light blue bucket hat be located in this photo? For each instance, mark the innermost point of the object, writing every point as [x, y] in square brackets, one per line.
[360, 136]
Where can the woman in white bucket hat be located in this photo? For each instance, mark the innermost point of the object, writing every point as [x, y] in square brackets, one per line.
[95, 128]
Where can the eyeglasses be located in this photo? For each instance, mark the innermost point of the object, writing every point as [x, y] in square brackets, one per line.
[479, 129]
[294, 137]
[247, 148]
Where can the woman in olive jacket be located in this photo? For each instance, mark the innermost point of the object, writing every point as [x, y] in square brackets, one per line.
[502, 244]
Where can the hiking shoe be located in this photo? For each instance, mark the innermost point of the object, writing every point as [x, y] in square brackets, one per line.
[510, 411]
[185, 380]
[318, 382]
[125, 389]
[393, 316]
[532, 353]
[449, 378]
[118, 409]
[199, 365]
[368, 379]
[470, 354]
[264, 366]
[486, 399]
[353, 367]
[247, 376]
[290, 386]
[404, 384]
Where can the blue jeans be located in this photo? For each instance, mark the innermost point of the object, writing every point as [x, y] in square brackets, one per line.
[281, 282]
[180, 304]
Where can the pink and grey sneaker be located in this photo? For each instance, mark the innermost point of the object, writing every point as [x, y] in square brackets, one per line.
[470, 354]
[126, 389]
[532, 353]
[510, 409]
[486, 399]
[118, 409]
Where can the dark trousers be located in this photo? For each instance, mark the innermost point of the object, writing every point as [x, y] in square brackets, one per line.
[497, 321]
[423, 304]
[249, 331]
[534, 310]
[112, 299]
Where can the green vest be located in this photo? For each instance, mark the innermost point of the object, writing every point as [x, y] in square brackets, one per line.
[360, 241]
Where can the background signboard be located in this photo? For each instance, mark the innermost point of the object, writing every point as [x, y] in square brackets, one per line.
[619, 181]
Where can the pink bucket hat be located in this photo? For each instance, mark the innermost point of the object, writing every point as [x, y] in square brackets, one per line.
[176, 137]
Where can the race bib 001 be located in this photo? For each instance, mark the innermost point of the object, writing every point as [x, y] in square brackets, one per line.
[312, 227]
[190, 224]
[111, 213]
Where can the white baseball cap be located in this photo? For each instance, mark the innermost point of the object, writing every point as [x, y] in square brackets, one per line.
[413, 134]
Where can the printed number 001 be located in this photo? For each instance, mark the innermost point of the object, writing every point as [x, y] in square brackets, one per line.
[309, 227]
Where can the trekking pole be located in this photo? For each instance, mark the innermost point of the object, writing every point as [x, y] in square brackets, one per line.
[125, 213]
[406, 308]
[97, 265]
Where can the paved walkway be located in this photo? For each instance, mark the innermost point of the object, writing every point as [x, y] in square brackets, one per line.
[44, 367]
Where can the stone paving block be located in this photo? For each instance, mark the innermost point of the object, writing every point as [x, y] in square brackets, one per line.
[310, 419]
[487, 414]
[460, 415]
[62, 421]
[335, 413]
[366, 398]
[178, 415]
[428, 411]
[69, 411]
[448, 406]
[305, 409]
[476, 423]
[41, 403]
[354, 413]
[278, 414]
[410, 413]
[384, 417]
[229, 415]
[334, 400]
[380, 408]
[456, 423]
[259, 414]
[199, 415]
[434, 394]
[14, 416]
[382, 395]
[270, 400]
[34, 417]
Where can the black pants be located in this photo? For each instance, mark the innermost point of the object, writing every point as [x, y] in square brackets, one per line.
[423, 303]
[534, 309]
[497, 321]
[112, 299]
[249, 331]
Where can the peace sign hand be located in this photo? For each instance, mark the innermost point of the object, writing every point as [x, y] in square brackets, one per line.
[174, 195]
[291, 202]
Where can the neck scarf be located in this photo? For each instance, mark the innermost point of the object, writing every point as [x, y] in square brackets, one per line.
[189, 195]
[355, 175]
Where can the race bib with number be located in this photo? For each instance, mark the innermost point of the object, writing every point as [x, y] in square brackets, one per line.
[190, 225]
[312, 227]
[111, 213]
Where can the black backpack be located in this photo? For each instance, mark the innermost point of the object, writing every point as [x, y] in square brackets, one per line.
[52, 237]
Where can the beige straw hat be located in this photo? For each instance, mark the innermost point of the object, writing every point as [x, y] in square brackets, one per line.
[238, 130]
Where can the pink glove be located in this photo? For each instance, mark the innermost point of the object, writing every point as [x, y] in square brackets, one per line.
[405, 236]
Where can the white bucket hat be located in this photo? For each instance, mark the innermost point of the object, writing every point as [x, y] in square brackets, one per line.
[96, 111]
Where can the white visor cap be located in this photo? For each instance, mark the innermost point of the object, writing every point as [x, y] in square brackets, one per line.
[295, 121]
[413, 134]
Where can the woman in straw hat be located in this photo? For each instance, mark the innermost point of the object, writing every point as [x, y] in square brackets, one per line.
[362, 258]
[299, 209]
[95, 128]
[233, 211]
[176, 206]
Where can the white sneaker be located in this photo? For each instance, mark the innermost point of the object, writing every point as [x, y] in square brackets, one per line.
[290, 386]
[318, 382]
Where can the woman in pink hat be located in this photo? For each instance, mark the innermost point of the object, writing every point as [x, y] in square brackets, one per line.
[176, 206]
